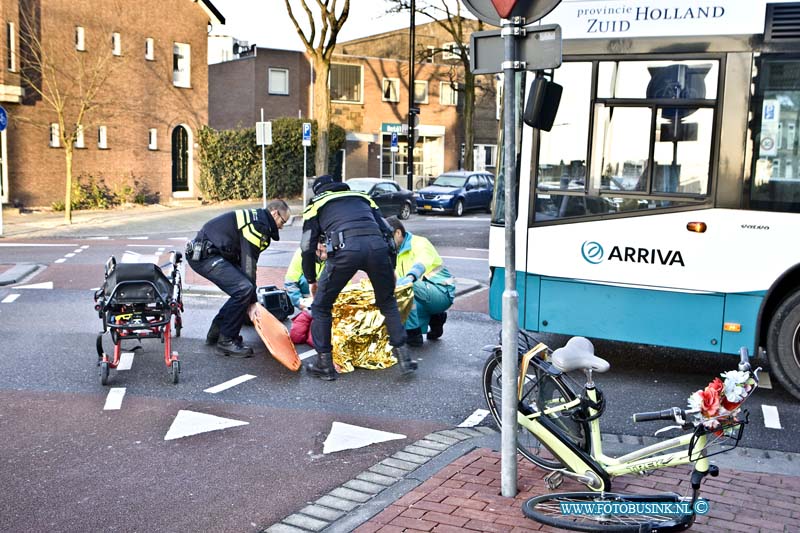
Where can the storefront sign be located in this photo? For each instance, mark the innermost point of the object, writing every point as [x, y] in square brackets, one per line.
[593, 19]
[389, 127]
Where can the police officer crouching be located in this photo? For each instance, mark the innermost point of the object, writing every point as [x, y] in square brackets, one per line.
[225, 252]
[357, 238]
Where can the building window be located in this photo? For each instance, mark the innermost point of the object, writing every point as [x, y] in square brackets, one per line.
[152, 143]
[448, 93]
[116, 44]
[345, 83]
[149, 53]
[430, 54]
[278, 82]
[54, 136]
[450, 51]
[391, 90]
[181, 65]
[420, 92]
[80, 39]
[79, 140]
[11, 46]
[102, 138]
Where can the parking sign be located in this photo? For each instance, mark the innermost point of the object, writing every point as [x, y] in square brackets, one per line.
[306, 134]
[394, 147]
[3, 118]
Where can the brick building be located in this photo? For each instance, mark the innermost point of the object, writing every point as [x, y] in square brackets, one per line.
[142, 130]
[369, 99]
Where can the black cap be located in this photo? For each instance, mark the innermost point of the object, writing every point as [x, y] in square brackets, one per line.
[320, 183]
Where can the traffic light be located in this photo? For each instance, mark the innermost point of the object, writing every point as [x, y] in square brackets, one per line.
[413, 125]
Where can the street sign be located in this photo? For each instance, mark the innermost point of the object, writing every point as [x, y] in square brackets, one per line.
[540, 49]
[394, 147]
[306, 134]
[263, 133]
[3, 118]
[493, 11]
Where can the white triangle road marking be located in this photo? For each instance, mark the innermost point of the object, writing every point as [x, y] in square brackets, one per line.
[114, 399]
[188, 423]
[45, 285]
[10, 298]
[228, 384]
[347, 437]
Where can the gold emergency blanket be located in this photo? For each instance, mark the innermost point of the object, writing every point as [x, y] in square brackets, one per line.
[358, 335]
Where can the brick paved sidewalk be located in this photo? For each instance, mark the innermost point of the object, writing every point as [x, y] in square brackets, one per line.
[465, 496]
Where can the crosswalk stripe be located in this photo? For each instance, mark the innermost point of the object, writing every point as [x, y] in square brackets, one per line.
[125, 361]
[771, 418]
[114, 399]
[228, 384]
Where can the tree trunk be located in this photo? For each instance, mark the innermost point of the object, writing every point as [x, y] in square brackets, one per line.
[322, 113]
[469, 118]
[68, 195]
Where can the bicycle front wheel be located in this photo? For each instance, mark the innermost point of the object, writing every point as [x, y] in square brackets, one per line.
[540, 390]
[598, 511]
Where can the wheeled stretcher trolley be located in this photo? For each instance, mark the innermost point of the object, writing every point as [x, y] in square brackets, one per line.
[138, 301]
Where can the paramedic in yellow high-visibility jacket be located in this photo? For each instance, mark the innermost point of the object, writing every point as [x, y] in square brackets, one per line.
[419, 263]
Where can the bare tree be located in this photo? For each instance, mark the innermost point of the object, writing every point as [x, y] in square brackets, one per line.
[67, 80]
[446, 14]
[320, 48]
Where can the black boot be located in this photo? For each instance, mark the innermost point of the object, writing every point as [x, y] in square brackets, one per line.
[436, 326]
[233, 347]
[213, 332]
[322, 367]
[407, 365]
[414, 337]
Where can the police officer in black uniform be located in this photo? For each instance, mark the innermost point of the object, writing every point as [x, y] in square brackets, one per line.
[357, 238]
[225, 251]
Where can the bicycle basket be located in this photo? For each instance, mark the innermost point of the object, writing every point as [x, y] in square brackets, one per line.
[721, 438]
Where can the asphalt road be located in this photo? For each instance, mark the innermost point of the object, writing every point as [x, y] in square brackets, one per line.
[70, 465]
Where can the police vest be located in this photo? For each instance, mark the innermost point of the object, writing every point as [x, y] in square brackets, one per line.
[245, 219]
[321, 199]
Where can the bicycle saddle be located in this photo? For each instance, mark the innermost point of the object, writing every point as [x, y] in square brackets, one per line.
[578, 354]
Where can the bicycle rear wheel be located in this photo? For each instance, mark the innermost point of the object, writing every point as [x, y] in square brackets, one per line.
[610, 511]
[540, 390]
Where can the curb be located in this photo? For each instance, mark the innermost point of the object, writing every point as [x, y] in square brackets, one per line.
[17, 273]
[354, 503]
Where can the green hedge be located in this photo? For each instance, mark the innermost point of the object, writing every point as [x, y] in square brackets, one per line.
[230, 160]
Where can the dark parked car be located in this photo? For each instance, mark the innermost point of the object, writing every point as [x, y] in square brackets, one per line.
[391, 199]
[457, 191]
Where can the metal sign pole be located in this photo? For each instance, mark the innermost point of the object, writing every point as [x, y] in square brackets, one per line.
[263, 165]
[508, 465]
[305, 177]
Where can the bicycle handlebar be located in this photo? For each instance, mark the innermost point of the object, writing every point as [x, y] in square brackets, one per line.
[673, 413]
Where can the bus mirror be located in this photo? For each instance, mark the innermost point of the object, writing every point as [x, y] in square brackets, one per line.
[542, 104]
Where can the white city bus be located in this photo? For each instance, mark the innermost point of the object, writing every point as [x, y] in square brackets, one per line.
[664, 205]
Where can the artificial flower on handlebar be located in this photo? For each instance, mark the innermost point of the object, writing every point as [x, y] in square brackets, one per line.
[719, 403]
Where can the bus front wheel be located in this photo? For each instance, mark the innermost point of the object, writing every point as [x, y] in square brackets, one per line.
[783, 344]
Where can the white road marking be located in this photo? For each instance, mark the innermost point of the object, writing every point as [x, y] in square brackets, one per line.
[478, 250]
[146, 246]
[484, 259]
[25, 244]
[771, 417]
[188, 423]
[95, 289]
[114, 398]
[77, 250]
[178, 239]
[347, 437]
[59, 260]
[85, 246]
[309, 353]
[44, 285]
[10, 298]
[70, 254]
[764, 381]
[138, 238]
[125, 361]
[474, 419]
[97, 239]
[228, 384]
